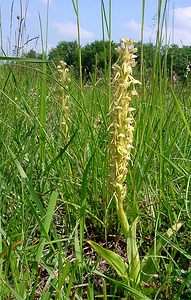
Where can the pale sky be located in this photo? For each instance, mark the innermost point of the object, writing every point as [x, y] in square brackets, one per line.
[126, 21]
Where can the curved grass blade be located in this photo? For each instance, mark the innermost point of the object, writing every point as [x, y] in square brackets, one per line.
[52, 163]
[132, 291]
[34, 196]
[180, 110]
[148, 264]
[47, 222]
[21, 59]
[11, 290]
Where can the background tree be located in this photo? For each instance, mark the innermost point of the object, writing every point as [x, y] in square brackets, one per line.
[95, 56]
[66, 51]
[32, 54]
[178, 59]
[148, 58]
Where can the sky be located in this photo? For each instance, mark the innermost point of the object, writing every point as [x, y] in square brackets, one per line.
[126, 21]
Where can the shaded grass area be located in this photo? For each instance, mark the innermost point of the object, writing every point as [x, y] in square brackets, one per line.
[50, 207]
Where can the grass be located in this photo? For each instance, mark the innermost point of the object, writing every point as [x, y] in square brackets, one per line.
[54, 192]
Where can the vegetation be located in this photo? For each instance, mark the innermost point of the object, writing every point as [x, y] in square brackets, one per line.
[95, 195]
[95, 56]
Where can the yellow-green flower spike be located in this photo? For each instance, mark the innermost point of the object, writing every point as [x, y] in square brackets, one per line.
[63, 97]
[122, 128]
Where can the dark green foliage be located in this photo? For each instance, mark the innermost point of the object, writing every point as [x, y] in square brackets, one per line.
[149, 52]
[66, 51]
[178, 58]
[32, 54]
[95, 56]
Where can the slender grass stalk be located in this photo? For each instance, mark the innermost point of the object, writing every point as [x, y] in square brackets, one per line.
[42, 112]
[46, 224]
[76, 9]
[172, 56]
[1, 259]
[11, 25]
[107, 23]
[1, 34]
[103, 33]
[110, 41]
[142, 41]
[47, 26]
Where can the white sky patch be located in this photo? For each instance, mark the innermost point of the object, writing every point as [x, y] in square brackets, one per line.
[46, 1]
[69, 30]
[182, 16]
[182, 26]
[180, 34]
[135, 28]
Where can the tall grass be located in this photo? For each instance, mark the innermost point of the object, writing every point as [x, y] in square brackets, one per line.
[54, 187]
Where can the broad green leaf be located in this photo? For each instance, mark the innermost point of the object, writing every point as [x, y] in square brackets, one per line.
[113, 259]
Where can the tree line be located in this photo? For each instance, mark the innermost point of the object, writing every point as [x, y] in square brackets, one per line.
[96, 57]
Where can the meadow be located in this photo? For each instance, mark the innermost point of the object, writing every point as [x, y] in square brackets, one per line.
[62, 234]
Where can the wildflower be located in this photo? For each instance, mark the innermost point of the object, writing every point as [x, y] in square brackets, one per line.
[64, 80]
[122, 127]
[188, 69]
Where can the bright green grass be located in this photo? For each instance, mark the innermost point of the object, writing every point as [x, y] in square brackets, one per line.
[54, 192]
[51, 210]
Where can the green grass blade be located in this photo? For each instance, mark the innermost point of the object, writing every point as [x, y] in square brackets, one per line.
[47, 222]
[20, 59]
[29, 185]
[1, 258]
[180, 110]
[147, 264]
[83, 199]
[34, 197]
[11, 290]
[78, 249]
[63, 273]
[53, 162]
[132, 291]
[70, 282]
[42, 106]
